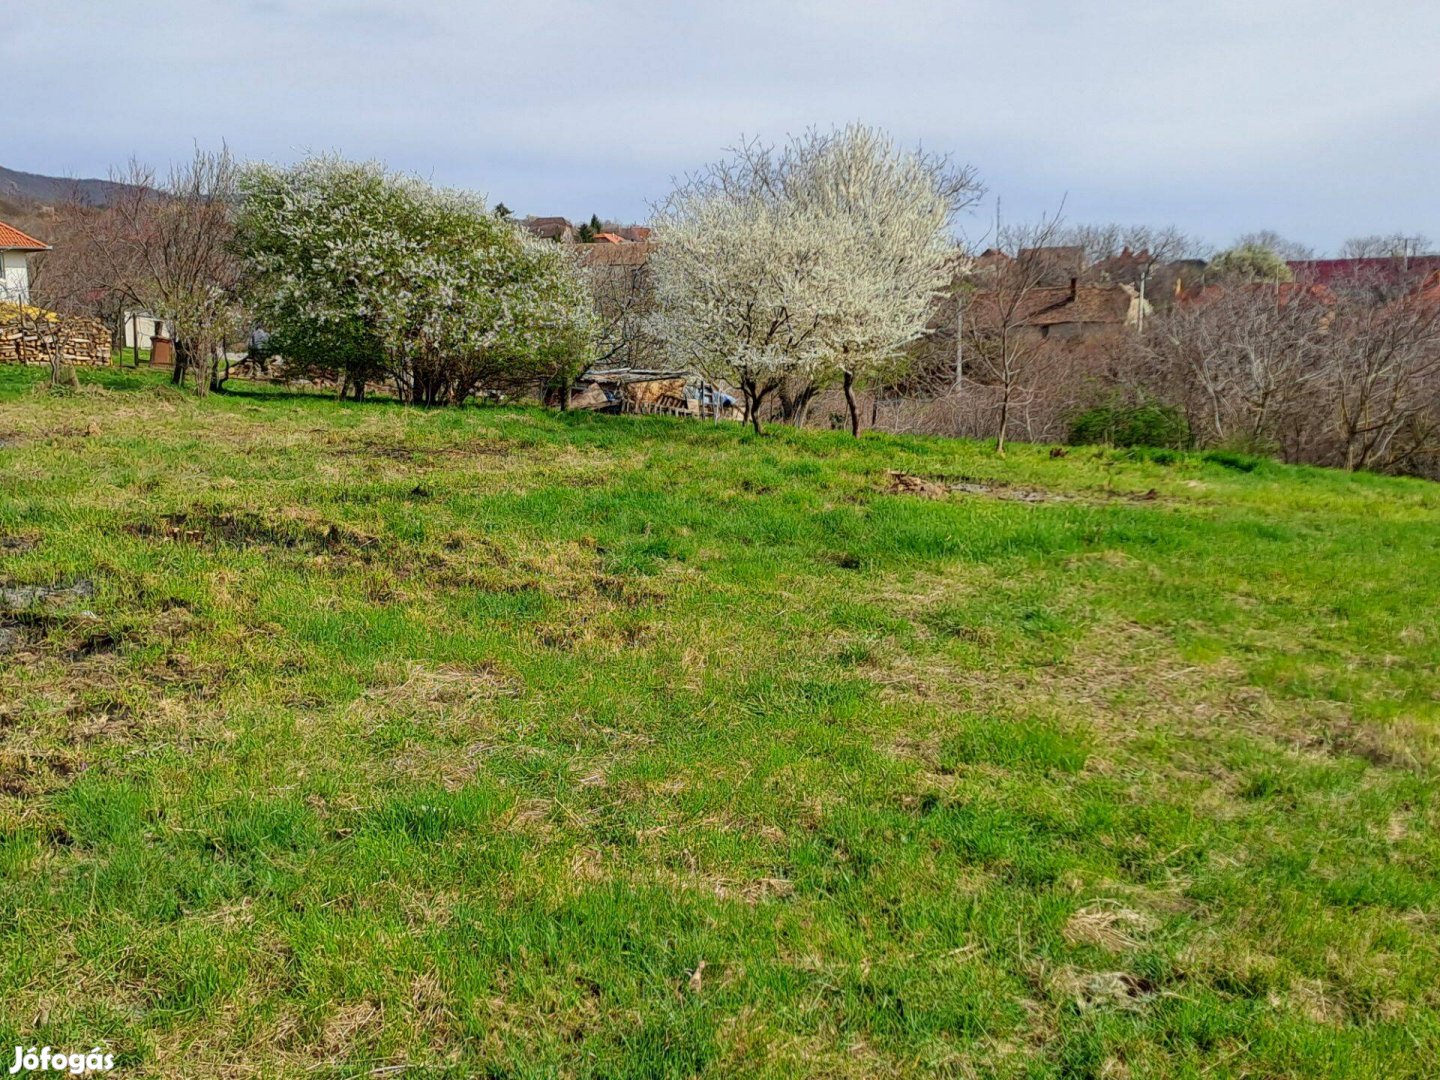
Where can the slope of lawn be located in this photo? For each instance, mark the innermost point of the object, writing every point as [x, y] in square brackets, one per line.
[356, 740]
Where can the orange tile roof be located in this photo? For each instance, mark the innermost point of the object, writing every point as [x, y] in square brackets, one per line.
[12, 239]
[614, 255]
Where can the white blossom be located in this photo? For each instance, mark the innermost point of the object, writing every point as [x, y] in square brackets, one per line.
[821, 260]
[456, 298]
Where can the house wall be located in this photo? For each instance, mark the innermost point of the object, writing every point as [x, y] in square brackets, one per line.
[16, 281]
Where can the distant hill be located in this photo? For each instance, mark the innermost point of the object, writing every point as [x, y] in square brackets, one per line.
[21, 188]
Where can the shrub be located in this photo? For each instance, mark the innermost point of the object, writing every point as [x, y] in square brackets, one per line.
[1144, 423]
[1232, 459]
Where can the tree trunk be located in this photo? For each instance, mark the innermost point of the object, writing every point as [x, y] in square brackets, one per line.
[752, 404]
[565, 395]
[849, 383]
[794, 407]
[218, 364]
[182, 361]
[1004, 422]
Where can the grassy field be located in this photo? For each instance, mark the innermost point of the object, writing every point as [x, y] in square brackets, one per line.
[361, 740]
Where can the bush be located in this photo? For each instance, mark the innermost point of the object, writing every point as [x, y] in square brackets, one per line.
[1146, 423]
[1231, 459]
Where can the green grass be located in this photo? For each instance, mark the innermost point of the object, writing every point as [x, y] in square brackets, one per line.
[461, 740]
[128, 357]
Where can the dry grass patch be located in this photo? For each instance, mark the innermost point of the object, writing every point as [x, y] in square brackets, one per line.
[1109, 925]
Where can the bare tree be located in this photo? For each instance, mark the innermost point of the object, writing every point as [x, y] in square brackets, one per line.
[1384, 374]
[1003, 346]
[1401, 246]
[624, 298]
[1251, 358]
[166, 247]
[1287, 249]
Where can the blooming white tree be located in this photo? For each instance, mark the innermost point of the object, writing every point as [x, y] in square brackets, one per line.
[735, 286]
[885, 215]
[820, 260]
[447, 296]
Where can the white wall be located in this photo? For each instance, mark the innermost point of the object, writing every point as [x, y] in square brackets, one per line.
[15, 285]
[146, 325]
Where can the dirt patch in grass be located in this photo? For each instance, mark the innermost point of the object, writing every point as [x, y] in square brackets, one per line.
[30, 613]
[1399, 744]
[899, 483]
[17, 598]
[290, 529]
[30, 773]
[17, 543]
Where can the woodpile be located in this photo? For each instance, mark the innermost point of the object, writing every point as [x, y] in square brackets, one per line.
[31, 336]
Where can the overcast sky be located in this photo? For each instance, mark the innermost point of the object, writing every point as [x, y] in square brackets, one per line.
[1319, 119]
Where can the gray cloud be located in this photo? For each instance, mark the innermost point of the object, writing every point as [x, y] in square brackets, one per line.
[1317, 119]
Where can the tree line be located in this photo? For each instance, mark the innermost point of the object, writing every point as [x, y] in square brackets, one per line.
[353, 273]
[820, 280]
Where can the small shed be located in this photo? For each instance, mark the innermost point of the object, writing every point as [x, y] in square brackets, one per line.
[142, 328]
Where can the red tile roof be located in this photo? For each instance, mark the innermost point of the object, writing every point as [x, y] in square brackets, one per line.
[12, 239]
[609, 238]
[1389, 271]
[549, 228]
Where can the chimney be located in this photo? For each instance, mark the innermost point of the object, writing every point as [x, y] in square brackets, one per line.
[1074, 289]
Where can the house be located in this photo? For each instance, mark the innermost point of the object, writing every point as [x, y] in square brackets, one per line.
[613, 257]
[1055, 264]
[16, 248]
[990, 263]
[1393, 271]
[1061, 312]
[1428, 291]
[1128, 266]
[557, 229]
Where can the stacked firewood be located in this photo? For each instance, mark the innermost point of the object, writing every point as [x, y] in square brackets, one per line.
[32, 337]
